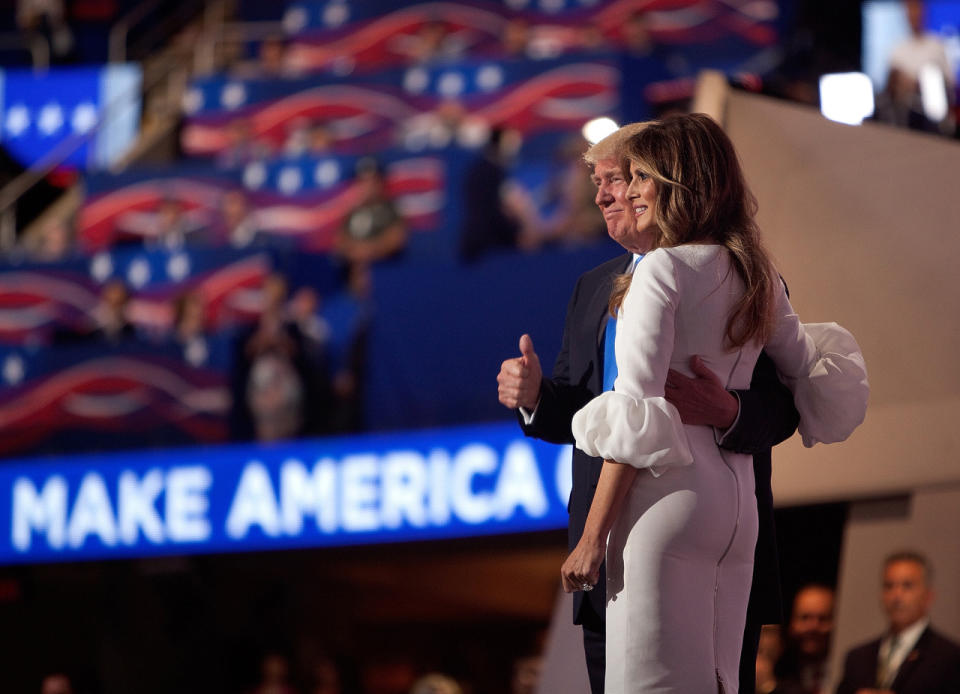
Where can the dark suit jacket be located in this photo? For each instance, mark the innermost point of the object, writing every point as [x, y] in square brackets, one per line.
[767, 417]
[932, 667]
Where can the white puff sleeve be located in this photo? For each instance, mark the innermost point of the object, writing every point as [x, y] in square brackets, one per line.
[634, 424]
[823, 366]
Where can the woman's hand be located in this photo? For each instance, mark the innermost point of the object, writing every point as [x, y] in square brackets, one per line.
[582, 567]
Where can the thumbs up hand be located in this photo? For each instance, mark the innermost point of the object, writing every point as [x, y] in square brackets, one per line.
[519, 378]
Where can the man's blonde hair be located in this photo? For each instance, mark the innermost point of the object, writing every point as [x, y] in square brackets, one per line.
[611, 146]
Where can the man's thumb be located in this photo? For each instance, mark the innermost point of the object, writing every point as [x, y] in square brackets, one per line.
[526, 346]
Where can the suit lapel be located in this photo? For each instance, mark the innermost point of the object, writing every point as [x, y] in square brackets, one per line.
[911, 662]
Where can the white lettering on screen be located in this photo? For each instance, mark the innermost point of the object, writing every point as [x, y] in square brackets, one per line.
[92, 514]
[369, 493]
[45, 512]
[187, 504]
[360, 493]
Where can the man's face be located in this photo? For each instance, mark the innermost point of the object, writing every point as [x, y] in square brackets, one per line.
[811, 623]
[616, 209]
[905, 595]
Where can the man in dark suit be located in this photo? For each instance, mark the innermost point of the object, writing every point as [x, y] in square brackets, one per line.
[749, 421]
[911, 658]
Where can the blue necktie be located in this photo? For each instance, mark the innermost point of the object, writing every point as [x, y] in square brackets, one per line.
[609, 352]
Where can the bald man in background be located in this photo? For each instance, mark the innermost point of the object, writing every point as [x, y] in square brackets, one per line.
[911, 657]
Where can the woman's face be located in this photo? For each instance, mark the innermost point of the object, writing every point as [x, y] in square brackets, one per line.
[642, 194]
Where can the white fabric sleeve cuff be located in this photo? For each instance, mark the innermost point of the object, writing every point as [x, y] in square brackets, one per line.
[645, 433]
[720, 435]
[528, 415]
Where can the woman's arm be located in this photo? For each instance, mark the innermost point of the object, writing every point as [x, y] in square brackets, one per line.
[583, 564]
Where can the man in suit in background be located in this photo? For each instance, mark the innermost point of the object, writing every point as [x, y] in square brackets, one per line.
[910, 658]
[803, 665]
[749, 421]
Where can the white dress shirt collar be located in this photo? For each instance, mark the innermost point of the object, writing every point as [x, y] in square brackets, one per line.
[906, 640]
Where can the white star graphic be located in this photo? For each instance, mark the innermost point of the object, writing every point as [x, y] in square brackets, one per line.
[290, 180]
[451, 84]
[13, 370]
[101, 267]
[255, 175]
[327, 173]
[84, 117]
[18, 120]
[178, 267]
[294, 20]
[336, 14]
[192, 101]
[233, 95]
[138, 273]
[489, 77]
[416, 80]
[50, 119]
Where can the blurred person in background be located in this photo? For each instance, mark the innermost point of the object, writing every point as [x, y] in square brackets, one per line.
[436, 128]
[326, 676]
[56, 683]
[919, 77]
[169, 226]
[635, 34]
[270, 62]
[274, 675]
[273, 393]
[768, 653]
[297, 136]
[433, 41]
[303, 311]
[574, 221]
[272, 58]
[526, 675]
[241, 146]
[190, 327]
[436, 683]
[910, 657]
[53, 243]
[305, 318]
[352, 312]
[174, 227]
[497, 215]
[322, 139]
[803, 666]
[109, 320]
[111, 315]
[305, 137]
[240, 228]
[373, 230]
[49, 19]
[515, 38]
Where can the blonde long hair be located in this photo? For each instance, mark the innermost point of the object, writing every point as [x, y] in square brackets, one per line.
[702, 197]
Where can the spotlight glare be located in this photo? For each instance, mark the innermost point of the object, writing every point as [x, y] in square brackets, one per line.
[598, 128]
[933, 93]
[846, 97]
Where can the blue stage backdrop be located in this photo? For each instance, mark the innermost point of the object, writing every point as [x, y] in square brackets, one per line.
[443, 483]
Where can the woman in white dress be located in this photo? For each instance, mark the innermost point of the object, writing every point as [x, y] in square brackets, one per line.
[675, 514]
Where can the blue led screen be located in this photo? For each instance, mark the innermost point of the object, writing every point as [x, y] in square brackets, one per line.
[433, 484]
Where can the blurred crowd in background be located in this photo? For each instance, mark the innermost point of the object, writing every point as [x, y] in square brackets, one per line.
[347, 137]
